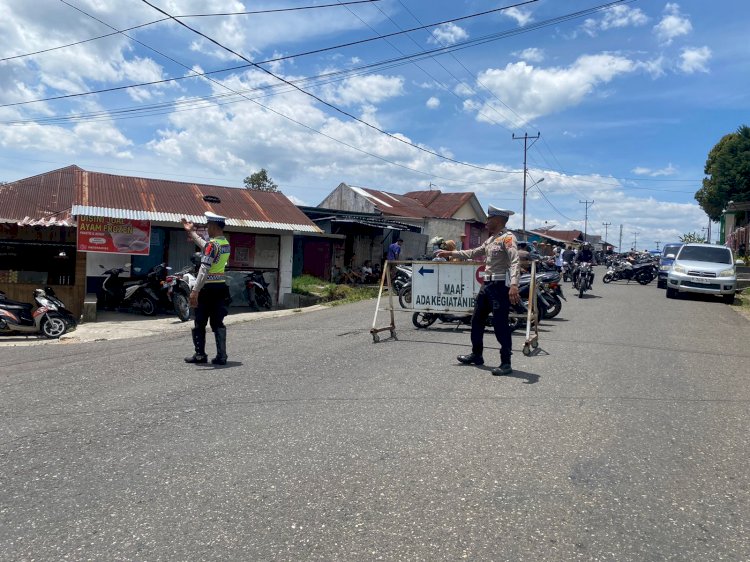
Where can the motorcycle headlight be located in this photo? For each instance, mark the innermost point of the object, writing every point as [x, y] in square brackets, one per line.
[727, 272]
[679, 269]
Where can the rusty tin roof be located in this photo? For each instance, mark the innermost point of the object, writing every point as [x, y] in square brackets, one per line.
[99, 194]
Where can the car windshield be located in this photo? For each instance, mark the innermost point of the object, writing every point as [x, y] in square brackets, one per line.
[671, 249]
[705, 253]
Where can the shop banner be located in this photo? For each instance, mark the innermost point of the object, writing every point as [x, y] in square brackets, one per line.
[114, 236]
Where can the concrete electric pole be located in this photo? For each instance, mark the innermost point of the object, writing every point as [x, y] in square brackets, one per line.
[606, 225]
[586, 219]
[619, 247]
[525, 138]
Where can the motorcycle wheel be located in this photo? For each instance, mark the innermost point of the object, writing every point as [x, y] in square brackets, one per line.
[607, 278]
[423, 319]
[555, 308]
[181, 307]
[264, 300]
[404, 297]
[53, 328]
[645, 279]
[147, 306]
[581, 290]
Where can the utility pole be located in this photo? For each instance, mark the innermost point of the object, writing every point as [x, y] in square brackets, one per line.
[586, 219]
[619, 247]
[657, 242]
[525, 138]
[635, 240]
[606, 225]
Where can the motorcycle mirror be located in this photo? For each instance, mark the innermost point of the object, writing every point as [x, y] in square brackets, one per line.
[101, 266]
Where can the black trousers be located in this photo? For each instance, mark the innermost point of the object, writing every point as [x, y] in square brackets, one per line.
[492, 297]
[212, 306]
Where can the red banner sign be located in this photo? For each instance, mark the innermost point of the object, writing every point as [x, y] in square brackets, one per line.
[114, 236]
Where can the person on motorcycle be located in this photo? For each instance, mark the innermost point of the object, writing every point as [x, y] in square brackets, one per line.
[499, 291]
[585, 255]
[210, 295]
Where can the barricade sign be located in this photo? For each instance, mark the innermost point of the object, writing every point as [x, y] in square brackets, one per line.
[445, 286]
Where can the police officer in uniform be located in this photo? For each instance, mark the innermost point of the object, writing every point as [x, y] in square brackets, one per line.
[499, 291]
[211, 293]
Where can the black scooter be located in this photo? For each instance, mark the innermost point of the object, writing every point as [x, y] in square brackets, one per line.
[256, 290]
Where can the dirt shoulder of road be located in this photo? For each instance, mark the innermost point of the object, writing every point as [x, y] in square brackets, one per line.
[121, 325]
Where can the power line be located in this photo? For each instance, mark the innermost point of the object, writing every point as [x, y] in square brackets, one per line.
[256, 12]
[266, 107]
[328, 104]
[416, 56]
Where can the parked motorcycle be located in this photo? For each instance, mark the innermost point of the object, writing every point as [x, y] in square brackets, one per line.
[179, 285]
[256, 290]
[643, 272]
[143, 294]
[401, 276]
[50, 318]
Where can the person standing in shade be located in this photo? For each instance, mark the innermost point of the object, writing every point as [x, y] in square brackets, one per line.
[394, 250]
[499, 291]
[210, 296]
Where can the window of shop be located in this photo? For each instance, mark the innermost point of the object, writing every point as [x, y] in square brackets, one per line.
[37, 255]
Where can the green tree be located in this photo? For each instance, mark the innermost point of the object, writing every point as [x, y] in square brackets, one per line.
[259, 181]
[728, 171]
[689, 237]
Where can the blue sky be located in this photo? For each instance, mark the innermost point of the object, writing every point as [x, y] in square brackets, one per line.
[628, 100]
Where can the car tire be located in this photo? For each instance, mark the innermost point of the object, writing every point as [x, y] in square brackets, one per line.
[671, 293]
[728, 299]
[661, 284]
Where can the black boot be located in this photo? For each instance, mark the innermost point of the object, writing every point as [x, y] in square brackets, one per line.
[199, 342]
[504, 368]
[221, 347]
[471, 359]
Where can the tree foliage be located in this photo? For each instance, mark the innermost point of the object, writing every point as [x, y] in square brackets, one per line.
[689, 237]
[260, 181]
[728, 171]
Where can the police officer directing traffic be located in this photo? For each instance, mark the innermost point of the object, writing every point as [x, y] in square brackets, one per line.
[210, 295]
[499, 291]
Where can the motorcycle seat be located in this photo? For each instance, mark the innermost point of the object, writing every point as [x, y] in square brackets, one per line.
[9, 304]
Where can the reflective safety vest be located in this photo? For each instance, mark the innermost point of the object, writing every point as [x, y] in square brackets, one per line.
[216, 254]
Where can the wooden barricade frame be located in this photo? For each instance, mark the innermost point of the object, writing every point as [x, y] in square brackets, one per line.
[530, 317]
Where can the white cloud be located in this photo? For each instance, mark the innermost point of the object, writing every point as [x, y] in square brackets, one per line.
[448, 34]
[532, 54]
[522, 17]
[433, 103]
[694, 59]
[615, 17]
[549, 90]
[673, 24]
[297, 201]
[669, 170]
[358, 90]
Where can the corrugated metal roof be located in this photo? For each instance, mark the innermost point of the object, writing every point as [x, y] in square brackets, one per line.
[442, 205]
[44, 199]
[396, 205]
[79, 210]
[170, 199]
[49, 199]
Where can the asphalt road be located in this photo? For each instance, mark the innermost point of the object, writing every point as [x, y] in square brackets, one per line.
[626, 438]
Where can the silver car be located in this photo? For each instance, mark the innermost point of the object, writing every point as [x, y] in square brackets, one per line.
[703, 268]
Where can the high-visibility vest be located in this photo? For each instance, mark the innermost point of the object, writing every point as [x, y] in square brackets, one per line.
[219, 255]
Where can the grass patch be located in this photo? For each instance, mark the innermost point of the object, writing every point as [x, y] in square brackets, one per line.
[330, 292]
[342, 294]
[309, 285]
[742, 300]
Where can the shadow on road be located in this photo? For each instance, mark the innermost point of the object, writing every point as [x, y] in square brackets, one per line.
[229, 365]
[528, 378]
